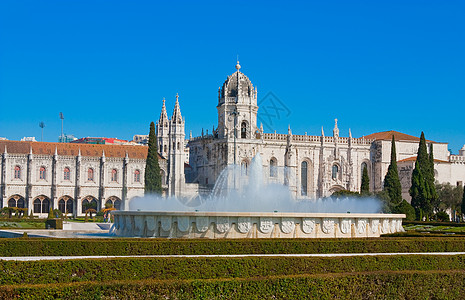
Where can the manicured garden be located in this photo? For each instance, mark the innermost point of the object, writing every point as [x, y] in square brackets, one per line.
[364, 277]
[120, 246]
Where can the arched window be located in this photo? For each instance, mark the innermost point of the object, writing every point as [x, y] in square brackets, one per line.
[114, 175]
[37, 206]
[42, 174]
[273, 168]
[136, 176]
[117, 204]
[16, 201]
[303, 178]
[165, 148]
[244, 130]
[66, 174]
[12, 203]
[364, 166]
[65, 205]
[45, 206]
[90, 174]
[244, 168]
[89, 202]
[179, 145]
[62, 205]
[335, 172]
[17, 172]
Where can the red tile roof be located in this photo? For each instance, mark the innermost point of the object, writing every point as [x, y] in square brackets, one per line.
[414, 158]
[398, 136]
[18, 147]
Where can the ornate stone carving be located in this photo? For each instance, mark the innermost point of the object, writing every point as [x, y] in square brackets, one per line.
[399, 226]
[222, 224]
[393, 226]
[327, 226]
[244, 224]
[345, 225]
[266, 225]
[151, 223]
[183, 224]
[385, 226]
[362, 226]
[165, 223]
[201, 223]
[374, 225]
[308, 225]
[287, 225]
[139, 224]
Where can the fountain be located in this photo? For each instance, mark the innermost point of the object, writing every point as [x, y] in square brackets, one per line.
[248, 204]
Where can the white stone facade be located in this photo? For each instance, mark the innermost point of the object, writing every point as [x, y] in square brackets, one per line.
[69, 175]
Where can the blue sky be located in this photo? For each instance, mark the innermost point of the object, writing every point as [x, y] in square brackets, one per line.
[374, 65]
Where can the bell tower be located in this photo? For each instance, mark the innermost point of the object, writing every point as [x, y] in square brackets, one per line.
[237, 107]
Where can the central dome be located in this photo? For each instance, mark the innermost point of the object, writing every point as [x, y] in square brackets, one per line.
[237, 84]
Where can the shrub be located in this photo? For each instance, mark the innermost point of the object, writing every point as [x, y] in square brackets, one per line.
[405, 208]
[442, 216]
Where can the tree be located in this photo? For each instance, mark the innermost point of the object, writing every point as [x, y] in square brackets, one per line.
[431, 179]
[152, 168]
[449, 197]
[463, 201]
[365, 186]
[405, 208]
[391, 180]
[421, 190]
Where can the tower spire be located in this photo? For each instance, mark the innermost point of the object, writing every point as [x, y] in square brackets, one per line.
[163, 114]
[177, 111]
[335, 130]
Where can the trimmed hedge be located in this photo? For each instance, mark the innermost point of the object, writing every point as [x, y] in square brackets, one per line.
[382, 285]
[67, 247]
[66, 271]
[451, 224]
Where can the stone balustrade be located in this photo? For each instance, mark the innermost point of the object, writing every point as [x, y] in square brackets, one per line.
[216, 225]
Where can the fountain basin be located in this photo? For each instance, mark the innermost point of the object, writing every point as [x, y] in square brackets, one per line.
[232, 225]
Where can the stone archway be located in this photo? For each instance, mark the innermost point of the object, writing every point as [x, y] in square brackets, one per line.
[114, 202]
[66, 205]
[41, 205]
[336, 188]
[16, 201]
[89, 202]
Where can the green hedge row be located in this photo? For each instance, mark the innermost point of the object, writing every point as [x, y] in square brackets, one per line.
[375, 285]
[27, 220]
[66, 247]
[451, 224]
[66, 271]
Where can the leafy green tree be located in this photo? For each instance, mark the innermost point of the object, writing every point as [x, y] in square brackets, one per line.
[152, 168]
[391, 181]
[344, 194]
[405, 208]
[449, 197]
[421, 190]
[463, 201]
[365, 186]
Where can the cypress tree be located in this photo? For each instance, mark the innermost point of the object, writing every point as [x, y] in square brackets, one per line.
[152, 168]
[365, 186]
[421, 189]
[391, 181]
[431, 179]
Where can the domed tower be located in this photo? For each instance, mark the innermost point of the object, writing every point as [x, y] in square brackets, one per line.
[237, 106]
